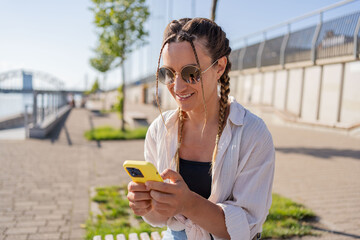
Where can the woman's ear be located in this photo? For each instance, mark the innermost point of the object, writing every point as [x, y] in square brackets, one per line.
[221, 66]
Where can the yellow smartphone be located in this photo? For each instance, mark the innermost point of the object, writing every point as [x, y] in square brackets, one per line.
[142, 171]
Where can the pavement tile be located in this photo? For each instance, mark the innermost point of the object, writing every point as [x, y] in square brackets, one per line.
[21, 230]
[77, 233]
[17, 237]
[7, 224]
[44, 236]
[64, 228]
[49, 217]
[24, 218]
[48, 229]
[65, 235]
[6, 219]
[56, 222]
[33, 223]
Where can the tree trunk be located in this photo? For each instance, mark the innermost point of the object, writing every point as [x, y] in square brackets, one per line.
[123, 95]
[213, 10]
[104, 92]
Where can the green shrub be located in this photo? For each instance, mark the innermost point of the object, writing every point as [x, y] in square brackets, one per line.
[109, 133]
[114, 218]
[286, 219]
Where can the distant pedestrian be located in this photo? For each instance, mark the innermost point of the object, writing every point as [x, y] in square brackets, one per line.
[218, 157]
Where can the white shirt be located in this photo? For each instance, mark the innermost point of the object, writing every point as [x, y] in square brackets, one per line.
[242, 176]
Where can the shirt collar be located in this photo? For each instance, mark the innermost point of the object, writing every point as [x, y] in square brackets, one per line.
[237, 112]
[171, 118]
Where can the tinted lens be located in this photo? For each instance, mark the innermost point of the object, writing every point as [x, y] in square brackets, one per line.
[166, 76]
[191, 74]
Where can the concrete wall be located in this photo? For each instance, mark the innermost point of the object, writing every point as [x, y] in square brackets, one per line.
[310, 104]
[238, 91]
[330, 93]
[327, 94]
[247, 86]
[293, 102]
[135, 94]
[269, 79]
[350, 109]
[280, 89]
[256, 90]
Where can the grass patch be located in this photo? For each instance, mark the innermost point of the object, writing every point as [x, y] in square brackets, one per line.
[109, 133]
[286, 218]
[115, 215]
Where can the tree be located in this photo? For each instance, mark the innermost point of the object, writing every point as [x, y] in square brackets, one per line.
[121, 29]
[102, 62]
[94, 88]
[213, 10]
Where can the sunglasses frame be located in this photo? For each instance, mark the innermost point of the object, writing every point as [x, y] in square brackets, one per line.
[177, 73]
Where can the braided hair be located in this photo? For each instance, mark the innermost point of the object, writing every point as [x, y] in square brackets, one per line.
[217, 45]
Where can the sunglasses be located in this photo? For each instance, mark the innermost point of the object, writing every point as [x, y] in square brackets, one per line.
[189, 73]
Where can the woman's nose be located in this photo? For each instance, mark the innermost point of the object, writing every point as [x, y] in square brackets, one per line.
[179, 83]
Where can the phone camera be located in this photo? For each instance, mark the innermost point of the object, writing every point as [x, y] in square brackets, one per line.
[134, 172]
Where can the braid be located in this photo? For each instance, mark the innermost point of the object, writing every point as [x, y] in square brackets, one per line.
[180, 137]
[224, 96]
[202, 87]
[157, 76]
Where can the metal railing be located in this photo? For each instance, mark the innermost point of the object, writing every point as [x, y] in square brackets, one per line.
[49, 104]
[45, 104]
[334, 38]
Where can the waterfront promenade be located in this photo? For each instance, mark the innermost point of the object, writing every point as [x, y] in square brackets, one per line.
[44, 184]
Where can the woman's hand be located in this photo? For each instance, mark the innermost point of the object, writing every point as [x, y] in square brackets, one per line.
[139, 198]
[169, 199]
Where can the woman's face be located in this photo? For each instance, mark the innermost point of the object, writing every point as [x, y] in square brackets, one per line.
[189, 96]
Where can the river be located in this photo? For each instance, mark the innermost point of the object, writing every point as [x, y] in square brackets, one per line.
[14, 103]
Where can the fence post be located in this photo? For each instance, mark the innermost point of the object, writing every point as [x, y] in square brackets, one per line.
[341, 92]
[42, 107]
[35, 108]
[242, 55]
[356, 33]
[260, 51]
[26, 120]
[283, 47]
[316, 35]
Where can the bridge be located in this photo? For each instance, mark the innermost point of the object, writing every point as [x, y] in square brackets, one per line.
[49, 105]
[25, 81]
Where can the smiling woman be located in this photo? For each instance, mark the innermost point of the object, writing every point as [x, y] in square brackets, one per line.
[217, 156]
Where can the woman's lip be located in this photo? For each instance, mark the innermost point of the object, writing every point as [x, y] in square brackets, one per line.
[183, 96]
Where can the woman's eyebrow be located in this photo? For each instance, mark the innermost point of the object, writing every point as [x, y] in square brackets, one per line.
[191, 64]
[168, 67]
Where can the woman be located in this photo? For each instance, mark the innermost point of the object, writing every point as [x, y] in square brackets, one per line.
[217, 156]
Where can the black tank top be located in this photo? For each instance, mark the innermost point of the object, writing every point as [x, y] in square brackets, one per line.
[197, 176]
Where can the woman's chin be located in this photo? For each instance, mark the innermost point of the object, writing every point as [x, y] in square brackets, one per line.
[185, 107]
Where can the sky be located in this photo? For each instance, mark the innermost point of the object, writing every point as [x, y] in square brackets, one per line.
[57, 37]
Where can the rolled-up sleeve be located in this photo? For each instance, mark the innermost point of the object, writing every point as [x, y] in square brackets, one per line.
[150, 154]
[247, 208]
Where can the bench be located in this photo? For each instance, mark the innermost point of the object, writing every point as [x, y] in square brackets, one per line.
[136, 119]
[132, 236]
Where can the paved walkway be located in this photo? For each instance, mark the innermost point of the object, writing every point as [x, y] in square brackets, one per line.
[44, 184]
